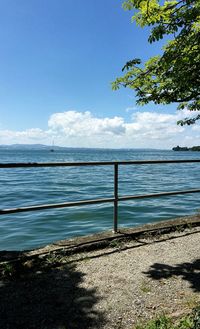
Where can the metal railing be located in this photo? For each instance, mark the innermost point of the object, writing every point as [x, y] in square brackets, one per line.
[115, 199]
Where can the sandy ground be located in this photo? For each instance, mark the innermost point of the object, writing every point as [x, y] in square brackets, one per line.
[117, 287]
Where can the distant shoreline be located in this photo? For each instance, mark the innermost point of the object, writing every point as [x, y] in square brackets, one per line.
[193, 148]
[56, 147]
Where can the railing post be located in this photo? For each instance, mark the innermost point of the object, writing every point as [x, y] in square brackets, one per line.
[115, 215]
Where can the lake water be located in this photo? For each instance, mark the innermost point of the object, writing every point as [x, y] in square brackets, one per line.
[24, 187]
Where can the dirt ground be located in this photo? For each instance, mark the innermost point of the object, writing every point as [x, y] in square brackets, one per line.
[119, 286]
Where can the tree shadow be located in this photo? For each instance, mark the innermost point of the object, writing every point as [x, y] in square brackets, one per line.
[47, 297]
[187, 271]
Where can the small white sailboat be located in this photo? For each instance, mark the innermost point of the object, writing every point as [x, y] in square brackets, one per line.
[52, 148]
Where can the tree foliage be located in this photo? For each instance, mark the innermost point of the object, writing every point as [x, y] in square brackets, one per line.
[173, 76]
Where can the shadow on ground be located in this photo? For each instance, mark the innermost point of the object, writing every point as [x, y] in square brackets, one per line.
[47, 298]
[187, 271]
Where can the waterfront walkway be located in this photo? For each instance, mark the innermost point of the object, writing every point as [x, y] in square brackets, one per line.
[127, 282]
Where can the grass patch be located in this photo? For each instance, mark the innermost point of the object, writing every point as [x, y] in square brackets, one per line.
[191, 321]
[145, 287]
[6, 270]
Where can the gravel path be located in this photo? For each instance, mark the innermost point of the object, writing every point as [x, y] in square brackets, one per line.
[113, 288]
[144, 278]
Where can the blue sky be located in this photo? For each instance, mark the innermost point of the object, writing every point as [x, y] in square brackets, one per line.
[57, 62]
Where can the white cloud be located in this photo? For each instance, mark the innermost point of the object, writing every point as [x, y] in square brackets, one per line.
[196, 127]
[130, 109]
[82, 129]
[83, 124]
[153, 125]
[29, 136]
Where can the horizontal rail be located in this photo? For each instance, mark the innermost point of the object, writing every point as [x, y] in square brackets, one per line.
[115, 199]
[56, 205]
[156, 195]
[96, 201]
[92, 163]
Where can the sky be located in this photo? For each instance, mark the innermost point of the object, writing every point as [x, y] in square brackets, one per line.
[57, 62]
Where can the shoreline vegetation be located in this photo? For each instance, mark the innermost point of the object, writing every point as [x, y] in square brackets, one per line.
[193, 148]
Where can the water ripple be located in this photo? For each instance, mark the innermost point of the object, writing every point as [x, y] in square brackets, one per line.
[23, 187]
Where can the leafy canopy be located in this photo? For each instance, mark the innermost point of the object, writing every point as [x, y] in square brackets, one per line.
[173, 76]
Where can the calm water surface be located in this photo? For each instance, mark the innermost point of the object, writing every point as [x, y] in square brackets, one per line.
[23, 187]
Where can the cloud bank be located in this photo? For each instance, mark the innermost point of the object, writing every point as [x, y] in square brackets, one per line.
[82, 129]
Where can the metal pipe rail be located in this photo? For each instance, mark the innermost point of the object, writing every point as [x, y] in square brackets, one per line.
[115, 199]
[91, 163]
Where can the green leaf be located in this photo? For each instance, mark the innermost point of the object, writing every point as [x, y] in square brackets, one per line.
[172, 77]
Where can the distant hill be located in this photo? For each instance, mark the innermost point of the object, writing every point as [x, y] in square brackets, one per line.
[193, 148]
[30, 146]
[46, 147]
[55, 147]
